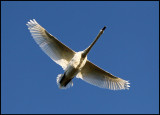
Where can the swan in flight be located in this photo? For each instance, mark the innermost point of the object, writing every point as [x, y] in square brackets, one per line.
[74, 63]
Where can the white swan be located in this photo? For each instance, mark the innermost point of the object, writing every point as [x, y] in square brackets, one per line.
[74, 63]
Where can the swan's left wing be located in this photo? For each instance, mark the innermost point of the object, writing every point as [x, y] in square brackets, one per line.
[56, 50]
[98, 77]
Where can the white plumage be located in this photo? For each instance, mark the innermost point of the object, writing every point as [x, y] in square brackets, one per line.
[74, 63]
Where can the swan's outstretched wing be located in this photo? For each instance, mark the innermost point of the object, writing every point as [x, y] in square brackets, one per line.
[98, 77]
[56, 50]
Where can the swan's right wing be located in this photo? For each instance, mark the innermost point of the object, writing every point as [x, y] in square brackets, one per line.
[98, 77]
[56, 50]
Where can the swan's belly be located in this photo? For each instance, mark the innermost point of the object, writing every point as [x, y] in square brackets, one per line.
[69, 75]
[73, 68]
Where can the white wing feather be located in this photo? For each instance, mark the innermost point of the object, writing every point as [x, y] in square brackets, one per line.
[56, 50]
[98, 77]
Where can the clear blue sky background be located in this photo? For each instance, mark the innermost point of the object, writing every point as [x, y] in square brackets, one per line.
[128, 49]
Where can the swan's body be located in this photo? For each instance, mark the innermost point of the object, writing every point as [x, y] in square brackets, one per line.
[74, 63]
[73, 68]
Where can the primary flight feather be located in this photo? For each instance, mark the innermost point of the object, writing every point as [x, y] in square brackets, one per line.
[74, 63]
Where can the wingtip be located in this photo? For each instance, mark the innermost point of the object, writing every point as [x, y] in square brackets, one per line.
[127, 86]
[31, 23]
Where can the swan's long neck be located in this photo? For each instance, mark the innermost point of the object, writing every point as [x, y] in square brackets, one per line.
[86, 51]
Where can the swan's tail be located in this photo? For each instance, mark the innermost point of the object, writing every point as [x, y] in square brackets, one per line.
[59, 77]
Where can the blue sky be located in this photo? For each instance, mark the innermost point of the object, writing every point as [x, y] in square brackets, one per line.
[129, 49]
